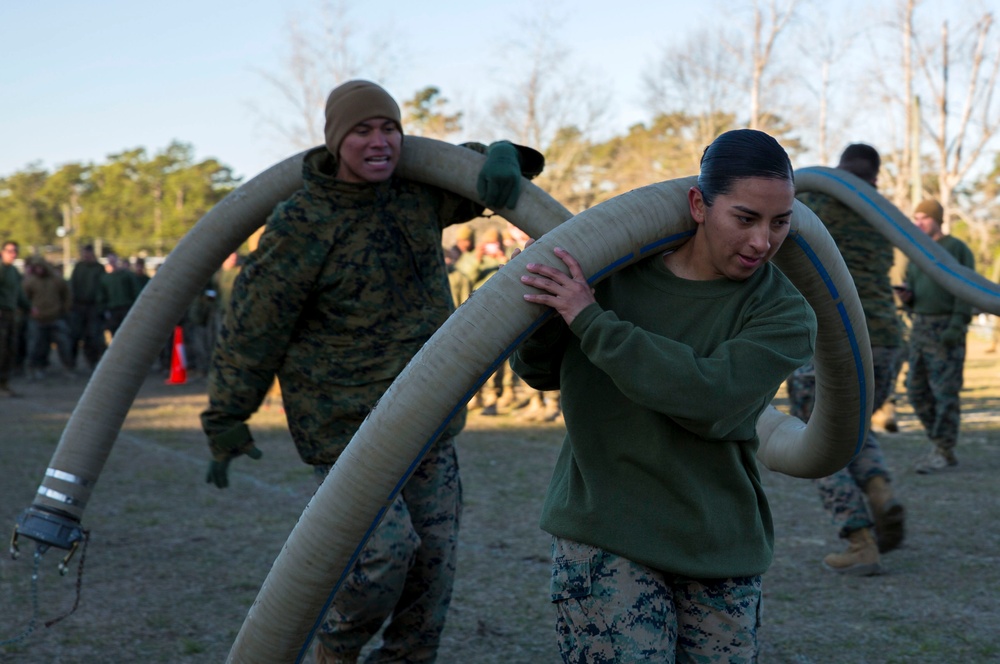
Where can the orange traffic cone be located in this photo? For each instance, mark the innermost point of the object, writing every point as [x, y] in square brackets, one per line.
[178, 361]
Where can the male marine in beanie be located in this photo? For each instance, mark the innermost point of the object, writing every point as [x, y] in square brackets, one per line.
[346, 285]
[878, 526]
[937, 344]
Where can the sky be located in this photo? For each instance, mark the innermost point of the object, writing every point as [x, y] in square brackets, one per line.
[82, 80]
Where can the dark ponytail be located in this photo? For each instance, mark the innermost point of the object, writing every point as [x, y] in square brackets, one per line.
[738, 154]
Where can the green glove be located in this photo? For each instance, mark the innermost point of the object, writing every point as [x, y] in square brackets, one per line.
[218, 473]
[499, 182]
[225, 447]
[952, 336]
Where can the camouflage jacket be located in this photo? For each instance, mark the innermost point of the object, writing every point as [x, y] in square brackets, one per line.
[868, 255]
[346, 285]
[932, 299]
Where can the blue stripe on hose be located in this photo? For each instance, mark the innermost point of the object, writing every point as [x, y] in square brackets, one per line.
[659, 244]
[820, 269]
[852, 338]
[343, 575]
[892, 222]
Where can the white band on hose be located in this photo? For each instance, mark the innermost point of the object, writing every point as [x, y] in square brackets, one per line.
[61, 497]
[67, 477]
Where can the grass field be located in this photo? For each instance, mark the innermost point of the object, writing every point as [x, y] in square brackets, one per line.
[173, 564]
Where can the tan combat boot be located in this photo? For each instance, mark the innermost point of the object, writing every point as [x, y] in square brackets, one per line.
[888, 513]
[861, 557]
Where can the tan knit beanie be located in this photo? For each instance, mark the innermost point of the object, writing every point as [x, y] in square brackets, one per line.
[932, 209]
[353, 102]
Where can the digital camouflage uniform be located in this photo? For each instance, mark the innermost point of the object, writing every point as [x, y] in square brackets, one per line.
[652, 614]
[224, 279]
[868, 256]
[935, 372]
[406, 569]
[346, 285]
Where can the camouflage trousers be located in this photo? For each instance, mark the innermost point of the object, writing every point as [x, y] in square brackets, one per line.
[935, 379]
[405, 572]
[842, 493]
[611, 609]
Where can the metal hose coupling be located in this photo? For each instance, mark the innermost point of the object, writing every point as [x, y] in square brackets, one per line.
[48, 528]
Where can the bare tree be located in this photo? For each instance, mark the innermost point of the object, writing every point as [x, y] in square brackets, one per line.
[890, 74]
[946, 132]
[958, 139]
[828, 73]
[717, 72]
[765, 34]
[696, 76]
[323, 51]
[551, 106]
[547, 94]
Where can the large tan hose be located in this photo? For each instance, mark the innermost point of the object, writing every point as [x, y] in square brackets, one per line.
[886, 218]
[326, 541]
[94, 424]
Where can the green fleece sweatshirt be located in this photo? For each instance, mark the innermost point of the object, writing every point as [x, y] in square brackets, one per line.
[662, 383]
[931, 299]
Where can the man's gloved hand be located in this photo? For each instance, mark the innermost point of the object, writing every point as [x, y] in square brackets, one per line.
[225, 447]
[952, 336]
[499, 182]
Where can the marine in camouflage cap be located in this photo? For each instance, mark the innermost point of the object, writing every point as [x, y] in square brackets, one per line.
[348, 281]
